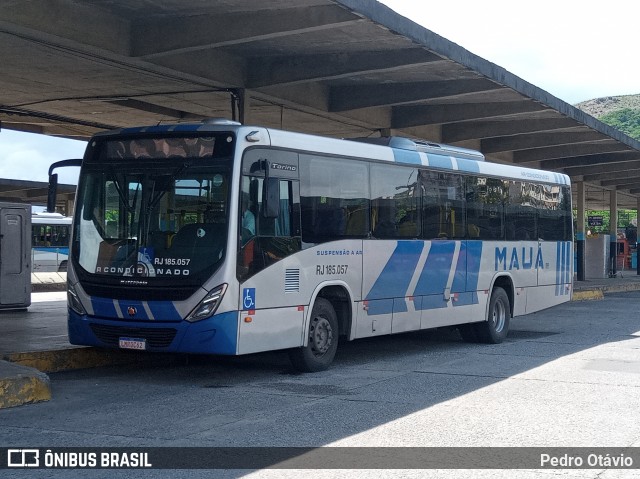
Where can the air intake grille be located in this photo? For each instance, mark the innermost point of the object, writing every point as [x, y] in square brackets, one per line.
[155, 337]
[292, 281]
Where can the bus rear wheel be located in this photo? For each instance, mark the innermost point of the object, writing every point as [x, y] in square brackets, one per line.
[495, 329]
[322, 344]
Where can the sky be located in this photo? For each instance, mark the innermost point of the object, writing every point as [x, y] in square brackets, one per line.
[574, 49]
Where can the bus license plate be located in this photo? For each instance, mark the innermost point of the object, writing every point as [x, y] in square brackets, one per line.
[132, 343]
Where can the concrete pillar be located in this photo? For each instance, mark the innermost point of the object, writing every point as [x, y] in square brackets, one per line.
[68, 206]
[613, 228]
[580, 232]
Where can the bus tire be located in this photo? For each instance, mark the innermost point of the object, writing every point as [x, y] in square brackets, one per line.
[495, 329]
[323, 333]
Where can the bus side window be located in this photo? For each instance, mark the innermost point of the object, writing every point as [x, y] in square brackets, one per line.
[274, 238]
[485, 198]
[443, 206]
[334, 199]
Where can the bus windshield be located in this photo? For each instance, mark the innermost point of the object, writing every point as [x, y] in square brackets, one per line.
[154, 208]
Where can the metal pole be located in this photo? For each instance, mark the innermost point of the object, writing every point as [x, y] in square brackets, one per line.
[613, 230]
[580, 233]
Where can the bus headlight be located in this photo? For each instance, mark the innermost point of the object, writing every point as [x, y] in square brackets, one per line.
[208, 305]
[74, 301]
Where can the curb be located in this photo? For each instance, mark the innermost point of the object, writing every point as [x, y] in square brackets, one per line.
[74, 358]
[48, 287]
[23, 379]
[588, 295]
[598, 293]
[22, 385]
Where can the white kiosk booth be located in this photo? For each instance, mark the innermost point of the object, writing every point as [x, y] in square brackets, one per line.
[15, 255]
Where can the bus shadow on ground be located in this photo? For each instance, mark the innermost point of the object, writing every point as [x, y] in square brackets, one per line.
[258, 400]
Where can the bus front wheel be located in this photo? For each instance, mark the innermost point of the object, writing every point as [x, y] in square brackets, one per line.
[495, 329]
[322, 344]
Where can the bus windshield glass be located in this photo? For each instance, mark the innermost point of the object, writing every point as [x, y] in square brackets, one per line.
[154, 207]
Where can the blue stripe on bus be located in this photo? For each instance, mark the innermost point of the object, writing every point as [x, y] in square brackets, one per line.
[103, 307]
[558, 268]
[473, 258]
[466, 299]
[567, 269]
[460, 277]
[380, 306]
[468, 165]
[435, 274]
[440, 161]
[563, 266]
[433, 301]
[164, 311]
[406, 156]
[160, 310]
[394, 280]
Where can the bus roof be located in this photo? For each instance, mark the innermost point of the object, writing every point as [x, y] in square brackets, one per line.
[392, 149]
[50, 218]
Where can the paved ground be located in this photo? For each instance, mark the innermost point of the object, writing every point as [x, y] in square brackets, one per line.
[34, 345]
[568, 376]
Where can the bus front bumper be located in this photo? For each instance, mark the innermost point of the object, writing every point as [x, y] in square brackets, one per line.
[215, 335]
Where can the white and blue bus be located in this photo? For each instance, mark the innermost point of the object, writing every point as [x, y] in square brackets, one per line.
[227, 239]
[49, 242]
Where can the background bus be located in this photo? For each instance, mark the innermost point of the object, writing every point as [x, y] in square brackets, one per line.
[226, 239]
[50, 242]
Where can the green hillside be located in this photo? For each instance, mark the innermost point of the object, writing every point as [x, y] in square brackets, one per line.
[626, 120]
[621, 112]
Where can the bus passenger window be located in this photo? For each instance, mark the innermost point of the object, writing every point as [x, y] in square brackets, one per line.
[394, 198]
[443, 207]
[334, 199]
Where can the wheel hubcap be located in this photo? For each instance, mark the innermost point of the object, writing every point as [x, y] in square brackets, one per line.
[320, 336]
[499, 316]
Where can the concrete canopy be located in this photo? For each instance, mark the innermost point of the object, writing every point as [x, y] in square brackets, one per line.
[340, 68]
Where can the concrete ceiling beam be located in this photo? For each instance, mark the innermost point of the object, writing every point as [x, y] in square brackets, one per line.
[477, 130]
[605, 168]
[86, 23]
[289, 69]
[536, 140]
[608, 175]
[416, 115]
[567, 151]
[353, 97]
[591, 160]
[160, 36]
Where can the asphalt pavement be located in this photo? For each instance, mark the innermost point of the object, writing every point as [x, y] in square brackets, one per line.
[565, 377]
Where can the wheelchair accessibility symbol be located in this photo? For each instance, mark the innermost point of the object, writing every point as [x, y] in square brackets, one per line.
[249, 298]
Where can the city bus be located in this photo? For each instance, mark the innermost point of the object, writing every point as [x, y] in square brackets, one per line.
[219, 238]
[49, 241]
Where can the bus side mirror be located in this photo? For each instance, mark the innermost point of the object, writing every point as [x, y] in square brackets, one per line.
[52, 193]
[271, 198]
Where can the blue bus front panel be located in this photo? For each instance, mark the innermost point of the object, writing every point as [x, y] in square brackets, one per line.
[215, 335]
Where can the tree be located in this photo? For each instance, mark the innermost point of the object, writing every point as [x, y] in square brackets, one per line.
[626, 120]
